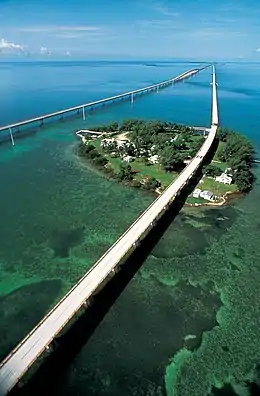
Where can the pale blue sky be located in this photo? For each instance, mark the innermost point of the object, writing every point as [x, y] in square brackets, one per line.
[148, 29]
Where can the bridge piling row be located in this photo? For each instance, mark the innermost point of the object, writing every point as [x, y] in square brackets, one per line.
[123, 96]
[25, 354]
[11, 135]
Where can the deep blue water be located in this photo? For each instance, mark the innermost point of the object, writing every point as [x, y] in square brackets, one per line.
[58, 217]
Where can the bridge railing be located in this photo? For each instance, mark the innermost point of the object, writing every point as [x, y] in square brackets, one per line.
[90, 104]
[161, 200]
[152, 205]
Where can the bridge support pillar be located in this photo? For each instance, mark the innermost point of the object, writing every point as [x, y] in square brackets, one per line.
[83, 113]
[88, 302]
[132, 97]
[11, 135]
[157, 88]
[136, 244]
[41, 124]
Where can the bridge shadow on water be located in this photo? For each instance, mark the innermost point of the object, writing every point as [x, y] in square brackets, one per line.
[53, 366]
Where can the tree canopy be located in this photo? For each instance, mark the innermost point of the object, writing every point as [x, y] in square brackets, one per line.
[212, 170]
[238, 153]
[125, 173]
[171, 159]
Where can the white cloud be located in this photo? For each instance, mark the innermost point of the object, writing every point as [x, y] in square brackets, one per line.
[257, 50]
[7, 46]
[68, 53]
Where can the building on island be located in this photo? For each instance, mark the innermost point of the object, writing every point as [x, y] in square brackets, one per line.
[224, 178]
[196, 193]
[154, 159]
[127, 158]
[208, 195]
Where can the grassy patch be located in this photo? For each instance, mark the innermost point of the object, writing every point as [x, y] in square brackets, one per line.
[223, 166]
[192, 200]
[166, 178]
[218, 189]
[142, 170]
[114, 163]
[96, 143]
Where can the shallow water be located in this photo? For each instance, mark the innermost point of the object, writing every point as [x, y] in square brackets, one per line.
[58, 217]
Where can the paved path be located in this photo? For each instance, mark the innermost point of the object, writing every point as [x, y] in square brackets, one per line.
[32, 346]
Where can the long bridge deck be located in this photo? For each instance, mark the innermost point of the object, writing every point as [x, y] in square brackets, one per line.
[33, 345]
[82, 107]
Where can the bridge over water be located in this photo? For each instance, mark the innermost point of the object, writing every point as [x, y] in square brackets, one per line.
[38, 340]
[14, 128]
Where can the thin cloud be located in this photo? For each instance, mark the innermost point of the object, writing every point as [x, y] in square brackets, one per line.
[39, 29]
[257, 50]
[76, 34]
[6, 46]
[66, 35]
[164, 10]
[157, 24]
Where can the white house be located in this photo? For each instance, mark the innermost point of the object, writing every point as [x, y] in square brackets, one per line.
[154, 159]
[196, 193]
[208, 195]
[127, 158]
[224, 178]
[108, 144]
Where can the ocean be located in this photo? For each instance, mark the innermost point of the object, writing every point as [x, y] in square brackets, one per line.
[188, 321]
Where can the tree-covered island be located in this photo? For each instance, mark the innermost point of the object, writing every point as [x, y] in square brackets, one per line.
[150, 154]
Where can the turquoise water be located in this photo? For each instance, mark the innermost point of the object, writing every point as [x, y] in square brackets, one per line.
[58, 216]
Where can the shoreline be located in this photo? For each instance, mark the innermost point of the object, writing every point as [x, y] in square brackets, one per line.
[111, 157]
[224, 200]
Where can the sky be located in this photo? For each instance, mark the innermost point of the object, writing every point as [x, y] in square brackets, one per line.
[130, 29]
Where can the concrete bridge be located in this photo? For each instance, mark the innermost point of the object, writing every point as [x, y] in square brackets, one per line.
[17, 363]
[13, 128]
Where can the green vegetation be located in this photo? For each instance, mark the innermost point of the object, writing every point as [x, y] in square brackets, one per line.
[146, 144]
[212, 170]
[90, 151]
[143, 171]
[171, 159]
[149, 154]
[195, 201]
[125, 172]
[152, 184]
[219, 189]
[237, 152]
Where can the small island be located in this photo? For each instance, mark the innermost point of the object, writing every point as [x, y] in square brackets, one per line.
[151, 154]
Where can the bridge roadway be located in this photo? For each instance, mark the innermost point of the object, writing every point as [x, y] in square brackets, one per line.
[82, 107]
[37, 341]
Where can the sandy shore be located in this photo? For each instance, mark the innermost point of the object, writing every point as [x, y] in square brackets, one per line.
[227, 197]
